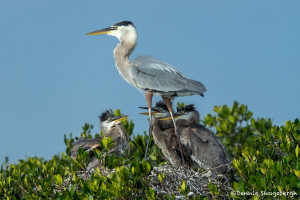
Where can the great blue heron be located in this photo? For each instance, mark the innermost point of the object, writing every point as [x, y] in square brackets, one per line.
[111, 127]
[165, 139]
[148, 74]
[205, 148]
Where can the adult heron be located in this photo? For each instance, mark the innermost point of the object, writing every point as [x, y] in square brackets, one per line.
[110, 126]
[148, 74]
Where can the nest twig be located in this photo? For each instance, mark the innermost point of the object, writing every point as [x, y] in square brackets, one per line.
[197, 181]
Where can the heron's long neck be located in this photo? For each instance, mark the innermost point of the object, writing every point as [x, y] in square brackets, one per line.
[122, 132]
[121, 55]
[116, 132]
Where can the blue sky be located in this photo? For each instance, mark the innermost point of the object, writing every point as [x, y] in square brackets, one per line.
[54, 78]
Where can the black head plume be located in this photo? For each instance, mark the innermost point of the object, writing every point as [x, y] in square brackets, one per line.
[105, 115]
[124, 23]
[186, 108]
[162, 105]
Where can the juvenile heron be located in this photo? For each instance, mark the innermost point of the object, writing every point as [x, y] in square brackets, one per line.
[148, 74]
[205, 148]
[165, 139]
[111, 127]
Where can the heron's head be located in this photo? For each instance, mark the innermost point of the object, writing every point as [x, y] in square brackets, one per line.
[186, 113]
[108, 121]
[159, 111]
[123, 30]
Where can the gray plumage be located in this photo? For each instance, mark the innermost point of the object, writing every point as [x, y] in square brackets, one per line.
[111, 127]
[201, 148]
[165, 138]
[147, 73]
[205, 148]
[163, 79]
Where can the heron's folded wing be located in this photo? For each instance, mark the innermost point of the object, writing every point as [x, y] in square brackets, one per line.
[203, 133]
[85, 144]
[207, 135]
[152, 74]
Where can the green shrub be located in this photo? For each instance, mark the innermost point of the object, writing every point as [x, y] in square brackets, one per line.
[265, 159]
[265, 156]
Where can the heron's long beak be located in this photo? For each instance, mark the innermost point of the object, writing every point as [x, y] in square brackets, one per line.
[103, 31]
[119, 118]
[152, 108]
[147, 113]
[144, 113]
[167, 118]
[154, 113]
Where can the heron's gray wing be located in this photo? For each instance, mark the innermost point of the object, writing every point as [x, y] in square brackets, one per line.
[158, 76]
[85, 144]
[216, 147]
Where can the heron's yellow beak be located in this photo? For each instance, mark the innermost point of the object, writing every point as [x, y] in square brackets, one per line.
[153, 113]
[144, 113]
[167, 118]
[120, 119]
[103, 31]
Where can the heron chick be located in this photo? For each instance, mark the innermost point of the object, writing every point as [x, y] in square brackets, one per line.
[165, 138]
[149, 74]
[110, 126]
[204, 147]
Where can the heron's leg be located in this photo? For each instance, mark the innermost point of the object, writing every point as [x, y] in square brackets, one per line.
[169, 105]
[149, 104]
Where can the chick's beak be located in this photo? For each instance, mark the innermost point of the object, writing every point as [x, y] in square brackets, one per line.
[153, 113]
[119, 119]
[144, 113]
[167, 118]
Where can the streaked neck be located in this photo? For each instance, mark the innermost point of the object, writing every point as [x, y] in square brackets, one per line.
[121, 55]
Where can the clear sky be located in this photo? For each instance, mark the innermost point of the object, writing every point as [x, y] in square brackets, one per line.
[54, 78]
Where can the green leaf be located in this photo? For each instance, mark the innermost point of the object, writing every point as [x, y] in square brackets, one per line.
[288, 126]
[296, 122]
[297, 173]
[262, 182]
[104, 143]
[297, 150]
[235, 163]
[152, 157]
[236, 186]
[57, 179]
[150, 194]
[161, 177]
[263, 171]
[117, 112]
[231, 118]
[110, 142]
[72, 190]
[148, 167]
[90, 185]
[182, 187]
[218, 109]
